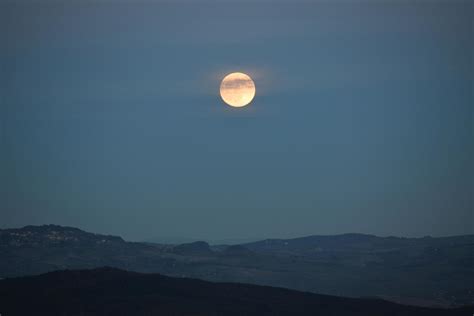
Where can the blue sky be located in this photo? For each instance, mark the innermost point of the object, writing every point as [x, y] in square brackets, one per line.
[362, 122]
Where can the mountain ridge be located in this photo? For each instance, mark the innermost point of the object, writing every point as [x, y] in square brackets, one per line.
[432, 271]
[342, 235]
[111, 291]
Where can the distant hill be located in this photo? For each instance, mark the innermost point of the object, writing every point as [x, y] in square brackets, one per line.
[197, 248]
[108, 291]
[51, 235]
[425, 271]
[237, 250]
[356, 243]
[182, 240]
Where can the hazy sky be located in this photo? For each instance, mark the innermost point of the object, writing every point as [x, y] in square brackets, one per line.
[111, 119]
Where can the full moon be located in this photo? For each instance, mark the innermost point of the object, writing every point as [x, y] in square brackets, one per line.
[237, 89]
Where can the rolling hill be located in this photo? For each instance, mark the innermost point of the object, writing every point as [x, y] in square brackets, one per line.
[108, 291]
[423, 271]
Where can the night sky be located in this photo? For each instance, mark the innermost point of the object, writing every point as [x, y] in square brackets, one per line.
[111, 119]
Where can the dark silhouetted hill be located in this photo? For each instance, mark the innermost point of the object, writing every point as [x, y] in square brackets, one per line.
[108, 291]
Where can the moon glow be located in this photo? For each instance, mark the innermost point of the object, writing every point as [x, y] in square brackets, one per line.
[237, 89]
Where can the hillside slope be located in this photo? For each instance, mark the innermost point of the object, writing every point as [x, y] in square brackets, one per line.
[422, 271]
[108, 291]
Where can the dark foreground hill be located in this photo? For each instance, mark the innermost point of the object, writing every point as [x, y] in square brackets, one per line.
[108, 291]
[416, 271]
